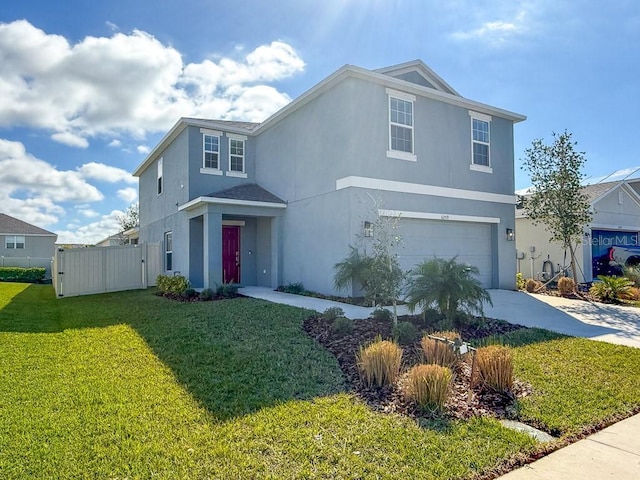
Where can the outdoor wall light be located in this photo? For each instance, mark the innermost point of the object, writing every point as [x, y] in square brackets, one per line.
[511, 236]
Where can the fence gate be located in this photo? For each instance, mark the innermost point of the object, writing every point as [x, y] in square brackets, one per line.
[85, 271]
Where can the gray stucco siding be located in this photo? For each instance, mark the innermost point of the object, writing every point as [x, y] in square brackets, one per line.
[202, 183]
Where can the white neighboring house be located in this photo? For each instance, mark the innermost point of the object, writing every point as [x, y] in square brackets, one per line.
[609, 242]
[128, 237]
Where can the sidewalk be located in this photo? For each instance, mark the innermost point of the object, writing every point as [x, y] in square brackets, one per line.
[611, 453]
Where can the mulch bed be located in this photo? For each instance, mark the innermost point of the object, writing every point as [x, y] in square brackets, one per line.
[464, 401]
[196, 298]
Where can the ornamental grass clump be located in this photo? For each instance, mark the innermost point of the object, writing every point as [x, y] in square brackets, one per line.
[428, 386]
[493, 368]
[441, 352]
[566, 285]
[379, 362]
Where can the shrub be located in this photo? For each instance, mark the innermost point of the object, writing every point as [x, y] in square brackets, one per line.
[405, 333]
[172, 284]
[428, 386]
[493, 368]
[188, 293]
[382, 315]
[449, 286]
[331, 313]
[22, 275]
[379, 362]
[566, 285]
[294, 288]
[534, 286]
[634, 293]
[206, 294]
[439, 352]
[521, 283]
[342, 326]
[632, 274]
[227, 290]
[611, 289]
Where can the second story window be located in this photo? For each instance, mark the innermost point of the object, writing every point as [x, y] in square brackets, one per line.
[160, 184]
[401, 127]
[480, 142]
[237, 165]
[211, 154]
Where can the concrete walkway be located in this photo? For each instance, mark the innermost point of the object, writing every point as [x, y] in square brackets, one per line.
[611, 453]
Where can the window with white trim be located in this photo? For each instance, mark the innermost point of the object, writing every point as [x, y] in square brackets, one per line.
[236, 155]
[211, 152]
[160, 183]
[401, 125]
[168, 251]
[480, 141]
[14, 241]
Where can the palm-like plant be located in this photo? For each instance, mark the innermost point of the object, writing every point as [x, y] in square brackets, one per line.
[612, 289]
[448, 286]
[354, 268]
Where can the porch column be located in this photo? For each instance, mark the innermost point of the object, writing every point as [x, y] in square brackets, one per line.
[276, 248]
[212, 255]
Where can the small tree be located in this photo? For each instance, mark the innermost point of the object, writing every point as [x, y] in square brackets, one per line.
[557, 200]
[447, 285]
[130, 219]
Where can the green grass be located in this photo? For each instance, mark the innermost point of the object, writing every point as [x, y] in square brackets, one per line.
[130, 385]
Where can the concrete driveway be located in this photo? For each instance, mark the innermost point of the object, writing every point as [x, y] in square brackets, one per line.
[597, 321]
[609, 323]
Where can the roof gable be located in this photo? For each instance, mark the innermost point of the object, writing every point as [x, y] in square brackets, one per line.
[13, 226]
[251, 192]
[417, 72]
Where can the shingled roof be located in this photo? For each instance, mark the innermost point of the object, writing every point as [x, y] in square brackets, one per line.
[13, 226]
[251, 192]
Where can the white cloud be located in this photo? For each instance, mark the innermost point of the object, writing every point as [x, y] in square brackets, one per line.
[129, 83]
[115, 143]
[128, 194]
[92, 232]
[32, 189]
[106, 173]
[144, 149]
[495, 31]
[88, 213]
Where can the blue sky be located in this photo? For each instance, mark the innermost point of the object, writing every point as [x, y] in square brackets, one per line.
[87, 88]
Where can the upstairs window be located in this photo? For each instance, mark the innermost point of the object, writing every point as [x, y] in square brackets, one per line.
[14, 241]
[211, 154]
[236, 155]
[480, 142]
[401, 127]
[160, 184]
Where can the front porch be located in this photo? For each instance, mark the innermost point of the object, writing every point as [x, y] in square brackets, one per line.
[235, 240]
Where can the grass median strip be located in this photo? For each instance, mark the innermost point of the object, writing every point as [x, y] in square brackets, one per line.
[130, 385]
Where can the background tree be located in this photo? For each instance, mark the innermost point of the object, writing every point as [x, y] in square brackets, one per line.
[557, 200]
[130, 219]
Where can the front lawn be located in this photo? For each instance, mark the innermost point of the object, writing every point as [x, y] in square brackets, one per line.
[130, 385]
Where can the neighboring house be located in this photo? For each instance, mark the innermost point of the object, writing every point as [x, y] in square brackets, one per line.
[25, 245]
[609, 242]
[281, 201]
[128, 237]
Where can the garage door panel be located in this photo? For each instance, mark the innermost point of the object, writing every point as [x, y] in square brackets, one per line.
[425, 239]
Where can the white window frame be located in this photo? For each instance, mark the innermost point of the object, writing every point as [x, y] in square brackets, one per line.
[160, 181]
[210, 170]
[168, 250]
[481, 117]
[15, 241]
[238, 138]
[405, 97]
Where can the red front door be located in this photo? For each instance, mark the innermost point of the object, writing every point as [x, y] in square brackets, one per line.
[230, 254]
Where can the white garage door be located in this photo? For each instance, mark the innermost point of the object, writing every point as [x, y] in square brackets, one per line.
[424, 239]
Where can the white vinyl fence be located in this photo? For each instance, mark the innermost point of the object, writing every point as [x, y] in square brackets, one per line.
[28, 262]
[85, 271]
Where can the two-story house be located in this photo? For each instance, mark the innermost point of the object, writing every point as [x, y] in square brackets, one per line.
[281, 201]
